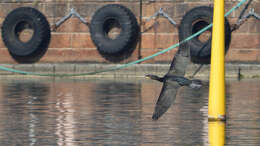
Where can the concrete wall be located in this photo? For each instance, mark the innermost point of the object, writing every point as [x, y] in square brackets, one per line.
[72, 42]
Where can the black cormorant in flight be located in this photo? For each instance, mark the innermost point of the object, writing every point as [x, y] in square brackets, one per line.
[172, 81]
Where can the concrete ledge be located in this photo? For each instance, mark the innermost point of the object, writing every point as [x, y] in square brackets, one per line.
[139, 70]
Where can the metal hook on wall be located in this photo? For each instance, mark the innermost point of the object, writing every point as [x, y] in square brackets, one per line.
[161, 13]
[73, 12]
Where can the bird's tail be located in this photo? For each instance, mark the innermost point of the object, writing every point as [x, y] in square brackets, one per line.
[196, 84]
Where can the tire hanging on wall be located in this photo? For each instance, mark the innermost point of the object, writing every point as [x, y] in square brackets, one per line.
[109, 17]
[21, 19]
[192, 22]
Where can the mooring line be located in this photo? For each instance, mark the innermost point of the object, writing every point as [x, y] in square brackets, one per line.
[123, 65]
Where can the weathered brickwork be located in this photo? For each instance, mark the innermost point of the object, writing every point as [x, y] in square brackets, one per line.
[71, 42]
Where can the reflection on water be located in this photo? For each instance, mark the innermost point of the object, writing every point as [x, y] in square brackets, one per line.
[243, 111]
[216, 133]
[107, 112]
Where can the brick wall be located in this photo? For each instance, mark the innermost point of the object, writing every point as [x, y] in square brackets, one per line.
[72, 43]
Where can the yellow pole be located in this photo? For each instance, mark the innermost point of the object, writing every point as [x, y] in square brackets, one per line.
[217, 71]
[216, 133]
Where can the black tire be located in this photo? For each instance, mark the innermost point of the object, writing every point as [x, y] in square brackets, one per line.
[26, 18]
[108, 17]
[192, 22]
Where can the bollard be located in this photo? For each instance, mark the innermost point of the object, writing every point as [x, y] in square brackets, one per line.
[216, 107]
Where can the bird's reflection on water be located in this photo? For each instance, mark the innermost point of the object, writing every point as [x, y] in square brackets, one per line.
[113, 112]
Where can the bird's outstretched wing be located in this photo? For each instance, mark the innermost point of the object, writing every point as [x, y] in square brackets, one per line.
[170, 87]
[178, 65]
[166, 98]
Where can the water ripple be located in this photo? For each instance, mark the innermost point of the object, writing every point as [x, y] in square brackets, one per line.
[111, 112]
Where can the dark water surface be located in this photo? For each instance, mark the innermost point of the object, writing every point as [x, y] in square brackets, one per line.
[36, 112]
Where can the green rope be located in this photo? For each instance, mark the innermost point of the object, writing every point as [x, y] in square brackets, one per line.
[123, 65]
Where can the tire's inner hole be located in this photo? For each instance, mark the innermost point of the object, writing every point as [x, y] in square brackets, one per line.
[24, 31]
[197, 26]
[112, 28]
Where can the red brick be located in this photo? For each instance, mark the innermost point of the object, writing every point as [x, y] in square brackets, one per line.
[134, 7]
[72, 25]
[2, 45]
[256, 6]
[86, 9]
[52, 20]
[7, 8]
[159, 40]
[5, 57]
[168, 7]
[1, 21]
[166, 27]
[128, 57]
[148, 41]
[247, 55]
[160, 25]
[181, 9]
[60, 41]
[238, 10]
[165, 40]
[229, 6]
[72, 55]
[148, 26]
[64, 27]
[56, 9]
[148, 9]
[244, 28]
[192, 5]
[82, 41]
[80, 55]
[254, 25]
[78, 26]
[148, 52]
[245, 41]
[166, 57]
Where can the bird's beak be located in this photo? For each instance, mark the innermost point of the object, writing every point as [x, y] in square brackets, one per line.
[147, 76]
